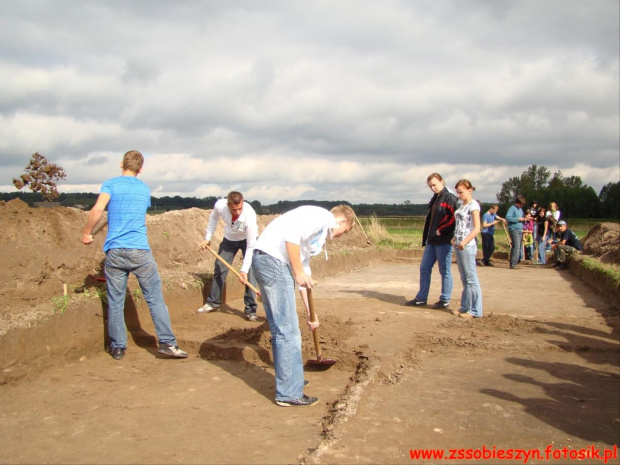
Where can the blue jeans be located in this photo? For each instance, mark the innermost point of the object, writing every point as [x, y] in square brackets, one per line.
[442, 254]
[118, 264]
[228, 250]
[516, 236]
[471, 298]
[542, 255]
[277, 287]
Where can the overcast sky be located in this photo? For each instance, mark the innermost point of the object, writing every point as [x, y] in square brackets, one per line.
[295, 99]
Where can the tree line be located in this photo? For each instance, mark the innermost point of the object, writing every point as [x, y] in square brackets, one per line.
[86, 200]
[574, 198]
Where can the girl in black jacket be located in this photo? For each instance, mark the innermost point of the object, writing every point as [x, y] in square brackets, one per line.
[436, 238]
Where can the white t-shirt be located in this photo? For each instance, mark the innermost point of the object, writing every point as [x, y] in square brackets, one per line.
[306, 226]
[465, 221]
[243, 228]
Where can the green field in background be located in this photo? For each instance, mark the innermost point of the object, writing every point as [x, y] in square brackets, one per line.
[405, 232]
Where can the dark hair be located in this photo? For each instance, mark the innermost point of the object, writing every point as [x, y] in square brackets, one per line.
[234, 197]
[520, 199]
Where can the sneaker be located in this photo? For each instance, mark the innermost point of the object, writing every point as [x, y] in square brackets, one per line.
[415, 303]
[117, 353]
[466, 315]
[306, 383]
[441, 304]
[303, 401]
[251, 317]
[489, 264]
[173, 351]
[207, 308]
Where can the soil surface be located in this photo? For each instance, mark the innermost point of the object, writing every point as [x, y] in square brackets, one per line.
[540, 369]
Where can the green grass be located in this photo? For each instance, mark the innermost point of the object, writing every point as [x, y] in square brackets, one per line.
[60, 303]
[406, 232]
[607, 269]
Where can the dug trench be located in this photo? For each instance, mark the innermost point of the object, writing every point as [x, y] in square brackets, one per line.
[528, 374]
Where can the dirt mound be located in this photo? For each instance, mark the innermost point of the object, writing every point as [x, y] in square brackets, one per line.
[333, 336]
[603, 241]
[43, 252]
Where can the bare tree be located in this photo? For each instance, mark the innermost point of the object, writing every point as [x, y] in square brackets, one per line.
[41, 176]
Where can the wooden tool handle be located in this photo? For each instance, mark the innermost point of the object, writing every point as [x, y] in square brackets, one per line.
[103, 222]
[235, 272]
[315, 333]
[507, 235]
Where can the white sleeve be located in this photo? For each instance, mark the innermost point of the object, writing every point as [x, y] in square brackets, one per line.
[212, 224]
[251, 235]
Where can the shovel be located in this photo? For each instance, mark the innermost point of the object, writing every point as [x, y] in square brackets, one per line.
[259, 297]
[319, 361]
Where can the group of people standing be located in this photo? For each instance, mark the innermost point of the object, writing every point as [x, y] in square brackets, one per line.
[544, 231]
[278, 260]
[452, 226]
[449, 226]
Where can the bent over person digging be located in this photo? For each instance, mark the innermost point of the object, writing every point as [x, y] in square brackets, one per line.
[127, 250]
[281, 260]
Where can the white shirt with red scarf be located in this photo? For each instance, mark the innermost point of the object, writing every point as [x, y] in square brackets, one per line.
[243, 227]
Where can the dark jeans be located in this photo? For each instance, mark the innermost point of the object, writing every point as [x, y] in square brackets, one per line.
[488, 247]
[228, 250]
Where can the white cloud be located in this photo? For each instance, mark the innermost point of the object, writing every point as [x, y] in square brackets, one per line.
[353, 100]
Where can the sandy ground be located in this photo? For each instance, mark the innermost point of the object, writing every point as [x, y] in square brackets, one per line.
[541, 368]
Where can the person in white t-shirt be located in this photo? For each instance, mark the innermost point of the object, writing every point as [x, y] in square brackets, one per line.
[240, 233]
[281, 260]
[467, 228]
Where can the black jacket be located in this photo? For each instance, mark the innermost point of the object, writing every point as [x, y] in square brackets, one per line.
[443, 220]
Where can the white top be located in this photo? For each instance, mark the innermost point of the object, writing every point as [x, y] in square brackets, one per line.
[555, 214]
[465, 222]
[306, 226]
[243, 228]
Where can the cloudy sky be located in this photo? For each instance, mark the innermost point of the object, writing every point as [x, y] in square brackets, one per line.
[295, 99]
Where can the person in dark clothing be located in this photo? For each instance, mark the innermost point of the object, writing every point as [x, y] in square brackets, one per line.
[567, 244]
[436, 238]
[489, 220]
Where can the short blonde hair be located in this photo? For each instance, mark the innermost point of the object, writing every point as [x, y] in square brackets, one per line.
[133, 161]
[345, 212]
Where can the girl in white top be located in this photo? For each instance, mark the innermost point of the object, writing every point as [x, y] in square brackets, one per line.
[467, 229]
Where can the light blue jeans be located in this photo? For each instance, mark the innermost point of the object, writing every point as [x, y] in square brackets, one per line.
[118, 264]
[277, 287]
[442, 254]
[471, 298]
[542, 255]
